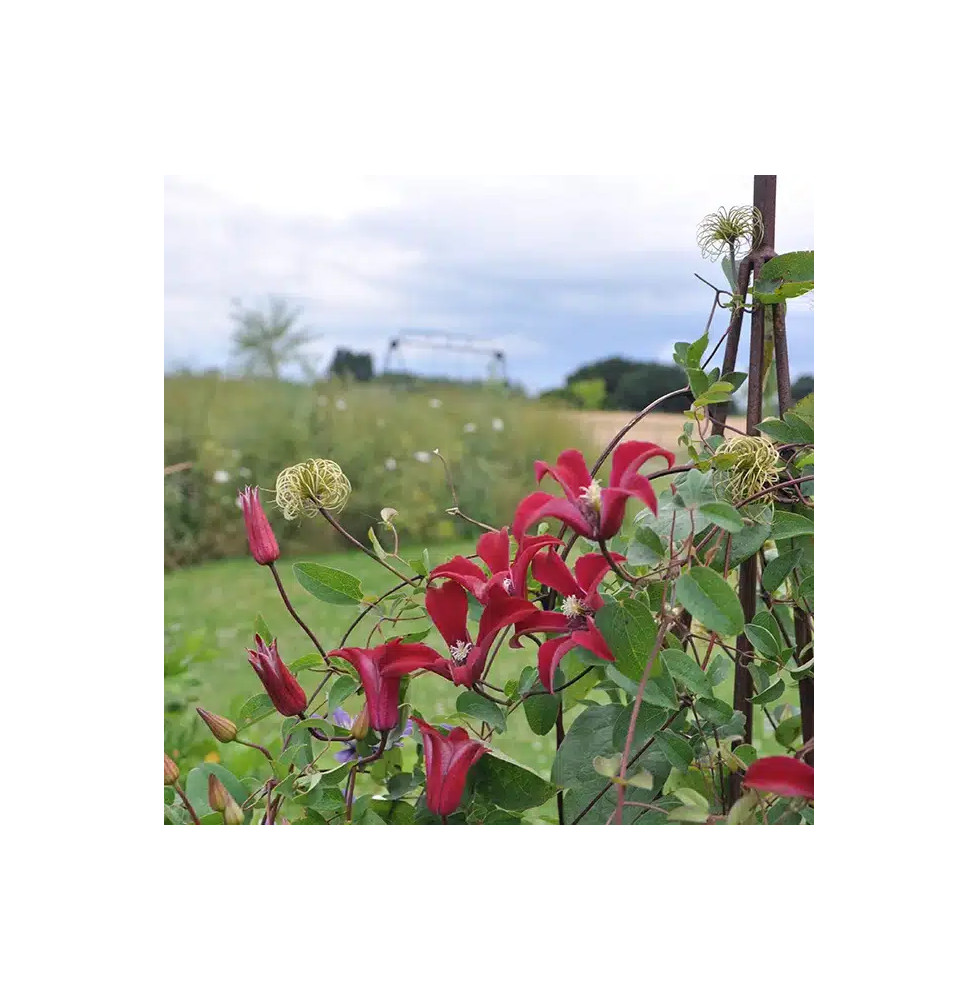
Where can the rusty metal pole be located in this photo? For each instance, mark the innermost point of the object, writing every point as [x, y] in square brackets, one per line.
[765, 189]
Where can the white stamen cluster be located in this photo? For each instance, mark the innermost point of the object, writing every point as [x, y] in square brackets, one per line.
[460, 651]
[573, 607]
[591, 495]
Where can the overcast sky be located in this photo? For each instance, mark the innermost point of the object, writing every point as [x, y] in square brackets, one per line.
[555, 271]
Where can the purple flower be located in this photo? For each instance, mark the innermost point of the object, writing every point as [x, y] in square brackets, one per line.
[349, 752]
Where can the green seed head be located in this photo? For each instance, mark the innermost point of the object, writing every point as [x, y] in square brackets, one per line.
[755, 467]
[728, 231]
[309, 486]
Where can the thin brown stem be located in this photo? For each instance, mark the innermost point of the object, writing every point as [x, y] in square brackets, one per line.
[186, 802]
[363, 548]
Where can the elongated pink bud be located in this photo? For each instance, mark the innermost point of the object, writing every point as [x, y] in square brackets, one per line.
[261, 538]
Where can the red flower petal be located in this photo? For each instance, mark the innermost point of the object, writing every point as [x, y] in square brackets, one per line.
[630, 456]
[570, 471]
[781, 775]
[449, 608]
[493, 549]
[551, 570]
[590, 570]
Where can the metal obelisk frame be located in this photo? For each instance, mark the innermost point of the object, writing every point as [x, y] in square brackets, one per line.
[765, 191]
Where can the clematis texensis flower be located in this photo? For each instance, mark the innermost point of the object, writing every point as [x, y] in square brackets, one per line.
[449, 609]
[575, 619]
[493, 549]
[381, 669]
[591, 511]
[447, 760]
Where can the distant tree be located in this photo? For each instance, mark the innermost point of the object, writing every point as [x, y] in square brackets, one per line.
[590, 392]
[352, 364]
[610, 370]
[645, 382]
[802, 387]
[266, 341]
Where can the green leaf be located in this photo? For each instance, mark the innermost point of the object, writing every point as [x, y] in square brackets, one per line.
[698, 382]
[589, 735]
[400, 784]
[788, 525]
[342, 688]
[695, 352]
[262, 629]
[472, 704]
[723, 514]
[788, 731]
[607, 767]
[378, 548]
[686, 671]
[255, 708]
[508, 785]
[330, 585]
[678, 752]
[776, 429]
[730, 271]
[196, 788]
[763, 641]
[769, 694]
[710, 600]
[802, 431]
[305, 661]
[778, 569]
[719, 392]
[714, 711]
[630, 630]
[541, 712]
[747, 753]
[736, 379]
[645, 548]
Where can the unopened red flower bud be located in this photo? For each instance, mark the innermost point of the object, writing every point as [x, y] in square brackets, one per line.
[282, 687]
[217, 794]
[223, 729]
[261, 538]
[233, 814]
[361, 724]
[170, 771]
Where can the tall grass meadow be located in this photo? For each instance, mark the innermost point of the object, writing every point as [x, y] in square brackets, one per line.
[237, 432]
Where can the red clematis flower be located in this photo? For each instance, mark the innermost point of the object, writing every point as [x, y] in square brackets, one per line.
[591, 511]
[493, 549]
[447, 759]
[449, 608]
[261, 538]
[576, 616]
[781, 775]
[381, 670]
[282, 687]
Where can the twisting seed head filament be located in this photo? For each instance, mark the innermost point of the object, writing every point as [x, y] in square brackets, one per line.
[755, 467]
[309, 486]
[728, 230]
